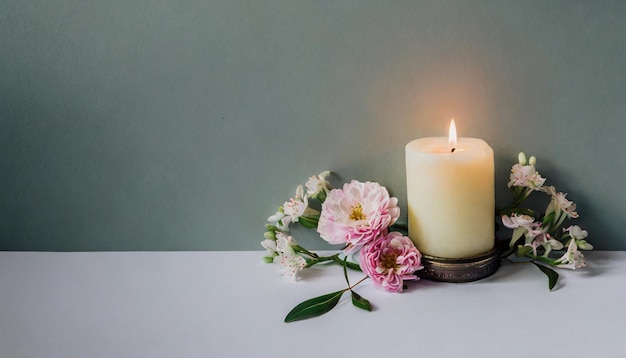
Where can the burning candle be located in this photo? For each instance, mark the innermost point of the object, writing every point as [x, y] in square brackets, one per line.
[450, 195]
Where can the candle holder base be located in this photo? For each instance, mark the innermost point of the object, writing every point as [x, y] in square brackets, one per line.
[461, 270]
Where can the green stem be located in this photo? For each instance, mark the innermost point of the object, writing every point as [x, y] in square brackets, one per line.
[319, 259]
[361, 280]
[541, 258]
[345, 270]
[300, 249]
[335, 258]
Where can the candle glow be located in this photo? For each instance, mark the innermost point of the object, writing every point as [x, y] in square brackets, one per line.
[450, 195]
[452, 136]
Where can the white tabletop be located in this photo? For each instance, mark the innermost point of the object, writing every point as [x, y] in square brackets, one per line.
[231, 304]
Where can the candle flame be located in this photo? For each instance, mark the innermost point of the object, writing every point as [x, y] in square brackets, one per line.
[452, 136]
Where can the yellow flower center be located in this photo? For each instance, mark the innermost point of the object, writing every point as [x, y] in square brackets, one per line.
[357, 213]
[388, 261]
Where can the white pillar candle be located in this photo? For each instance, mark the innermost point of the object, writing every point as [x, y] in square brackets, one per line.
[450, 194]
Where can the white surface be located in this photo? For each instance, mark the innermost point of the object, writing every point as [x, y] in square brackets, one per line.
[230, 304]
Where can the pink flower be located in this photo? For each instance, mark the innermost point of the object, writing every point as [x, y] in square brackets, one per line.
[357, 214]
[390, 260]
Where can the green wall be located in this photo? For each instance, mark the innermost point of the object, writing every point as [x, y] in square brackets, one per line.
[182, 125]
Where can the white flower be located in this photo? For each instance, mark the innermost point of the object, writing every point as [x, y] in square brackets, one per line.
[572, 258]
[521, 225]
[566, 205]
[281, 251]
[276, 217]
[290, 211]
[514, 221]
[280, 220]
[290, 263]
[546, 241]
[317, 186]
[579, 236]
[525, 176]
[294, 208]
[560, 203]
[283, 242]
[270, 247]
[535, 235]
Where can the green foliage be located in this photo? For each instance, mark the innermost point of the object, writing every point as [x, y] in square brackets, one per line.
[553, 277]
[523, 250]
[314, 307]
[308, 222]
[360, 302]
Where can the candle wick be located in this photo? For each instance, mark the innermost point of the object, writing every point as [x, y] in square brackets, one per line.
[453, 149]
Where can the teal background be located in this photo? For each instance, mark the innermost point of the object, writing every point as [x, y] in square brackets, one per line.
[182, 125]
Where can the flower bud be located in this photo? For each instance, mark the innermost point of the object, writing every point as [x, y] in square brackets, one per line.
[270, 235]
[521, 157]
[532, 161]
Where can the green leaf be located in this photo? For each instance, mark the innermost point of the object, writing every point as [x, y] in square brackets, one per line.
[517, 234]
[353, 266]
[548, 219]
[309, 223]
[553, 277]
[522, 250]
[360, 302]
[314, 307]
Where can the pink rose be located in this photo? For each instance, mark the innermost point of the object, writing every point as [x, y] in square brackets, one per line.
[357, 214]
[390, 260]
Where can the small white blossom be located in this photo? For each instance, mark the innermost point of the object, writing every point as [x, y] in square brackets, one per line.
[276, 217]
[290, 211]
[514, 221]
[521, 225]
[280, 244]
[283, 242]
[290, 264]
[560, 203]
[525, 176]
[572, 258]
[280, 251]
[547, 242]
[579, 236]
[317, 186]
[294, 208]
[270, 247]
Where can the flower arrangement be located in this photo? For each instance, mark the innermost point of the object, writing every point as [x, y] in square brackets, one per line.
[362, 218]
[542, 233]
[358, 217]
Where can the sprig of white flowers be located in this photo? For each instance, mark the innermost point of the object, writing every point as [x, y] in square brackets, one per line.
[536, 235]
[282, 248]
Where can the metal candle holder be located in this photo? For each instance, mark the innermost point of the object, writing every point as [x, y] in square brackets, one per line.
[461, 270]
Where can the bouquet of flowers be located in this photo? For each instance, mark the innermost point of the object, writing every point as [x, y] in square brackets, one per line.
[536, 235]
[358, 217]
[362, 218]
